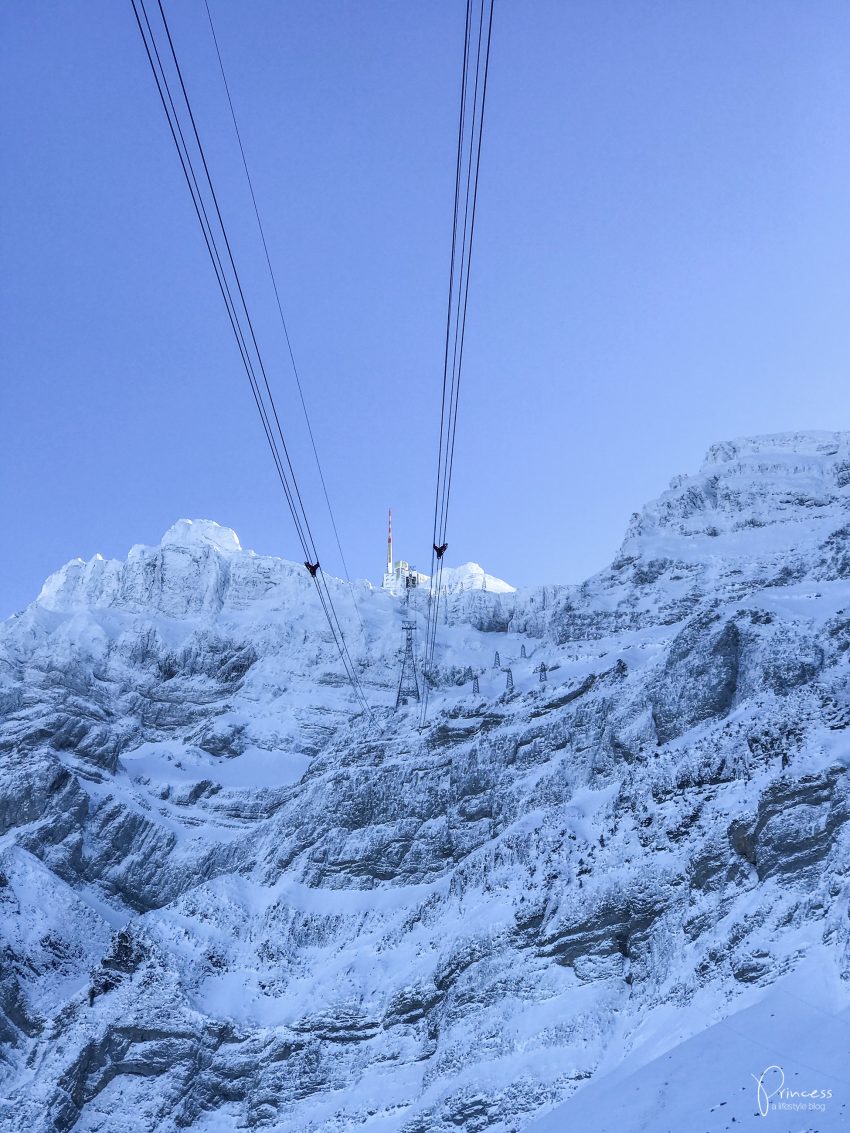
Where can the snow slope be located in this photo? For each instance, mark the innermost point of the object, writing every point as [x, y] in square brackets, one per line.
[229, 900]
[780, 1063]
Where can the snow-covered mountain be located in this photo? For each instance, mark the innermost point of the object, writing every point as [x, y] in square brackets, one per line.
[607, 899]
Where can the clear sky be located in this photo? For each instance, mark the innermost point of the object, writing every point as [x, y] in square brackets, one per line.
[662, 261]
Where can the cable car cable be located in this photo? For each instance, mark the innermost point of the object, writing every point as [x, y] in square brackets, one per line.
[468, 164]
[301, 510]
[281, 314]
[291, 491]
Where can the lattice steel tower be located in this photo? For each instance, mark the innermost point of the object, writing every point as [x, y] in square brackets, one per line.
[408, 685]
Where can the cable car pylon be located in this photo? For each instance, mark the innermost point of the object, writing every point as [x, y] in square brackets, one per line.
[408, 685]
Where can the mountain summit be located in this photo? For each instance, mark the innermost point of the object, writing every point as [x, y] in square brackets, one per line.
[228, 900]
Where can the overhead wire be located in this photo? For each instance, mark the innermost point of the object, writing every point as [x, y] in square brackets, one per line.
[475, 73]
[197, 200]
[434, 545]
[283, 323]
[264, 401]
[462, 319]
[291, 490]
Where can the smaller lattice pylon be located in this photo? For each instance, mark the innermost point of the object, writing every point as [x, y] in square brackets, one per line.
[408, 685]
[522, 651]
[509, 684]
[475, 689]
[497, 664]
[542, 671]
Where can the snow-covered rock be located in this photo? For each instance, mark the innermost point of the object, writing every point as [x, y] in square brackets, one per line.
[471, 576]
[231, 900]
[200, 533]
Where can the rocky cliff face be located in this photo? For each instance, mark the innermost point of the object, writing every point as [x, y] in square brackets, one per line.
[229, 901]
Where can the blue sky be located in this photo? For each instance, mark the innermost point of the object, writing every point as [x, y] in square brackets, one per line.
[662, 261]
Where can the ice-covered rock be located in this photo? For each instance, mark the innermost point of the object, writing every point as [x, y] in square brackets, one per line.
[471, 576]
[200, 533]
[230, 900]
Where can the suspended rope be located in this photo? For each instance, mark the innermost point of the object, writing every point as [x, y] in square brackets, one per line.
[473, 93]
[282, 317]
[214, 231]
